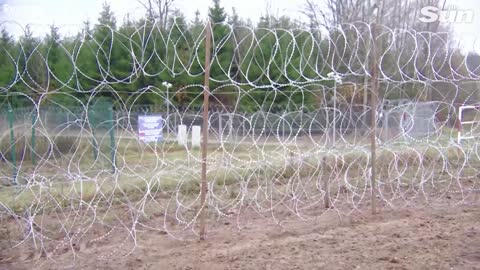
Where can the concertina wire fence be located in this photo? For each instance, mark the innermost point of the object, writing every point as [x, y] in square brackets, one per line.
[289, 128]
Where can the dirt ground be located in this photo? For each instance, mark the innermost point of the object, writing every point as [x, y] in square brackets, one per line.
[394, 239]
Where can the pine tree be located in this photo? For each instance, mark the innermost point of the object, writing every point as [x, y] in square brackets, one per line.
[86, 30]
[114, 59]
[197, 20]
[88, 73]
[234, 19]
[224, 65]
[53, 43]
[107, 18]
[7, 63]
[33, 67]
[179, 47]
[60, 68]
[6, 38]
[217, 13]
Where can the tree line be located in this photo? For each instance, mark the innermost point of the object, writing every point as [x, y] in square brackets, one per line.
[278, 62]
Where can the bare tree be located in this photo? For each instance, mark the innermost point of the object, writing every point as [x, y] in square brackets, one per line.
[392, 13]
[335, 12]
[158, 10]
[329, 14]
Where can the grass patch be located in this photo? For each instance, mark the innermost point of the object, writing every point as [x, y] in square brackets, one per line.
[168, 168]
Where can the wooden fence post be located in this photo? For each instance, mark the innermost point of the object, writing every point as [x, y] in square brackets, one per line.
[206, 95]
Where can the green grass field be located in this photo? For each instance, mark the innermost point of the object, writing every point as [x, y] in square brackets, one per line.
[65, 171]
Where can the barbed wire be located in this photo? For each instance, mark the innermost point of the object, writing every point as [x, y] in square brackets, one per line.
[288, 135]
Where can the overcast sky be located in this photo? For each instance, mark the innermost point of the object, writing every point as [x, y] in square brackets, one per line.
[41, 13]
[69, 14]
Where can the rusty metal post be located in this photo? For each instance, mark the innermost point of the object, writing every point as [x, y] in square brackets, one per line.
[206, 95]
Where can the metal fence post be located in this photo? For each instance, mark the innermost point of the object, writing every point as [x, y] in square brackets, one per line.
[112, 139]
[34, 117]
[13, 150]
[91, 120]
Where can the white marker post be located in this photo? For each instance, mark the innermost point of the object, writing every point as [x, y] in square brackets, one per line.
[196, 137]
[182, 135]
[336, 80]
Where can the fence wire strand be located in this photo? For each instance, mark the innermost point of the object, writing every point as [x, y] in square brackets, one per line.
[288, 130]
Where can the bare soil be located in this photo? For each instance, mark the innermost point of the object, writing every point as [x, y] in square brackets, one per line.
[408, 238]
